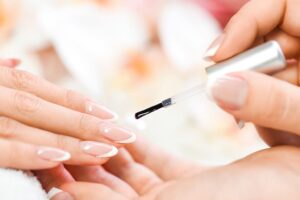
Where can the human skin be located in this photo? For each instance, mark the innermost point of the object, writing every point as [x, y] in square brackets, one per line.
[222, 10]
[268, 102]
[43, 125]
[146, 172]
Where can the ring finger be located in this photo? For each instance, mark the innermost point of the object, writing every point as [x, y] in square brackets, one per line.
[37, 112]
[82, 152]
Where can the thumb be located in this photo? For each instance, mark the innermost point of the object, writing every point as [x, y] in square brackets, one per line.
[260, 99]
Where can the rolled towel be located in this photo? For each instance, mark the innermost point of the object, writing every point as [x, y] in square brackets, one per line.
[19, 185]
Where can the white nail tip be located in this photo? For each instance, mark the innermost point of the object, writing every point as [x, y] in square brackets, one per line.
[53, 192]
[109, 154]
[45, 151]
[211, 52]
[114, 119]
[87, 147]
[129, 140]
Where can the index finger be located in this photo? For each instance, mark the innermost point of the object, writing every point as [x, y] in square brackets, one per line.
[24, 81]
[257, 18]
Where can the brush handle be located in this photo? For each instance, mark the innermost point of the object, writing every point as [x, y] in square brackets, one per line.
[266, 58]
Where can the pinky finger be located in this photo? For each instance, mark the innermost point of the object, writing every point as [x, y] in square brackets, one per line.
[25, 156]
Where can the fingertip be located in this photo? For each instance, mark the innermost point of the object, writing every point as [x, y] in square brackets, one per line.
[15, 62]
[12, 62]
[213, 48]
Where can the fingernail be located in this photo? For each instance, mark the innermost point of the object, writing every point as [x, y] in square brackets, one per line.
[229, 92]
[240, 123]
[53, 154]
[12, 62]
[99, 150]
[117, 134]
[58, 194]
[102, 112]
[214, 47]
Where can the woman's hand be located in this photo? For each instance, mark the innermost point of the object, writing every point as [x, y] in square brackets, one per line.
[42, 125]
[149, 173]
[266, 101]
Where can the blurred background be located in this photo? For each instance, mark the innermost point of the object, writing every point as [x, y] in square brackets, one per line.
[130, 54]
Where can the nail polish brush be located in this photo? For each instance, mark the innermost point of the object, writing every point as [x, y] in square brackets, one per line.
[266, 58]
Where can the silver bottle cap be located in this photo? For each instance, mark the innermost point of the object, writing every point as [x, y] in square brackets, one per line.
[266, 58]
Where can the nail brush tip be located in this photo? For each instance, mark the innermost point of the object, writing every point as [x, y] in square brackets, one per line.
[149, 110]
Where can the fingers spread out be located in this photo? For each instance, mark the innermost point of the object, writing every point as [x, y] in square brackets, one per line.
[261, 99]
[90, 191]
[96, 174]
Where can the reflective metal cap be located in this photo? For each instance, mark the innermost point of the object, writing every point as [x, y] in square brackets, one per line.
[266, 58]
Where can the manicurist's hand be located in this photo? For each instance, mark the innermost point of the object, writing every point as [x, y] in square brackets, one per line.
[42, 125]
[145, 172]
[270, 103]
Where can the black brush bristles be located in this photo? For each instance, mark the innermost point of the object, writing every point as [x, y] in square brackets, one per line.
[147, 111]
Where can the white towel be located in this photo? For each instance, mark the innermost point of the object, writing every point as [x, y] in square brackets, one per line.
[18, 185]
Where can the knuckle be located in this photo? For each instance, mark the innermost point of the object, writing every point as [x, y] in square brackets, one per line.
[12, 150]
[277, 106]
[23, 80]
[61, 141]
[26, 103]
[7, 127]
[73, 99]
[84, 125]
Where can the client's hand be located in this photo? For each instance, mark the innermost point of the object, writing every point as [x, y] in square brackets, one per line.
[148, 173]
[42, 125]
[266, 101]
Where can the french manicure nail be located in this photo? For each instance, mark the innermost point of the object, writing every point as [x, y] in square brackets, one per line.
[117, 134]
[229, 92]
[214, 47]
[98, 149]
[53, 154]
[58, 194]
[100, 111]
